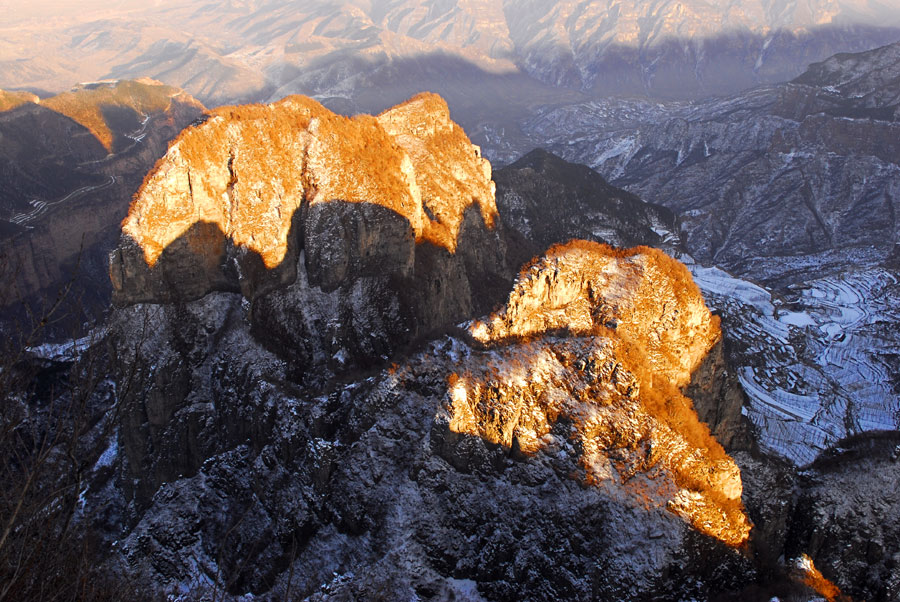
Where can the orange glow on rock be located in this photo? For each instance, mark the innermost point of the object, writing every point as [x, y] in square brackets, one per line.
[249, 168]
[815, 580]
[637, 327]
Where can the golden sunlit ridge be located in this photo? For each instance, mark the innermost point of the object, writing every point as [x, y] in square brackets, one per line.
[635, 328]
[249, 168]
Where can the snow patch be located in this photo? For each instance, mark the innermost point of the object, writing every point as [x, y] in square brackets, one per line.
[796, 318]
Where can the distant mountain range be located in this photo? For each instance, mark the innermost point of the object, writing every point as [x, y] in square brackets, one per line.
[794, 187]
[260, 49]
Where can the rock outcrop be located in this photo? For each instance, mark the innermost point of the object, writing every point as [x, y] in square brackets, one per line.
[348, 240]
[544, 200]
[552, 465]
[634, 330]
[248, 170]
[349, 236]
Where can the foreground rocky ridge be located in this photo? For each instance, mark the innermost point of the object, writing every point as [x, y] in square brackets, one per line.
[358, 486]
[546, 450]
[251, 442]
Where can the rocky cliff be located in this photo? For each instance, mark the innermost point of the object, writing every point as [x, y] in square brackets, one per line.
[349, 236]
[648, 330]
[485, 465]
[249, 169]
[301, 409]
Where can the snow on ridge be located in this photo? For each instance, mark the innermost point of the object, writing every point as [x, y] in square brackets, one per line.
[68, 350]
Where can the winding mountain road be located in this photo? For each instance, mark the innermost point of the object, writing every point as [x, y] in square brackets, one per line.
[41, 207]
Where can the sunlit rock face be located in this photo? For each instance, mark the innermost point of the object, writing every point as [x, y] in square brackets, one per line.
[350, 235]
[631, 327]
[226, 196]
[547, 200]
[642, 294]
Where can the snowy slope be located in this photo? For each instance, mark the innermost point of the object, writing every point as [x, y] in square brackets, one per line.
[817, 367]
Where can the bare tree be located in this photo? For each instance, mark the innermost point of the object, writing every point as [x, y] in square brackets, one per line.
[57, 415]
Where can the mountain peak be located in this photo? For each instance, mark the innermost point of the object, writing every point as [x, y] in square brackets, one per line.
[637, 330]
[560, 291]
[247, 170]
[12, 99]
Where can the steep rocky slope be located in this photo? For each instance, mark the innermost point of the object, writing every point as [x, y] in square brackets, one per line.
[483, 466]
[69, 165]
[792, 187]
[268, 442]
[846, 517]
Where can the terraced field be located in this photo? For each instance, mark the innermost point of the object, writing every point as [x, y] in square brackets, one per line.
[816, 367]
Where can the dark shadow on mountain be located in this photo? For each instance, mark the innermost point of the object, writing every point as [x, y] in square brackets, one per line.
[61, 207]
[42, 254]
[883, 445]
[583, 206]
[363, 290]
[805, 98]
[40, 156]
[685, 68]
[122, 122]
[674, 68]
